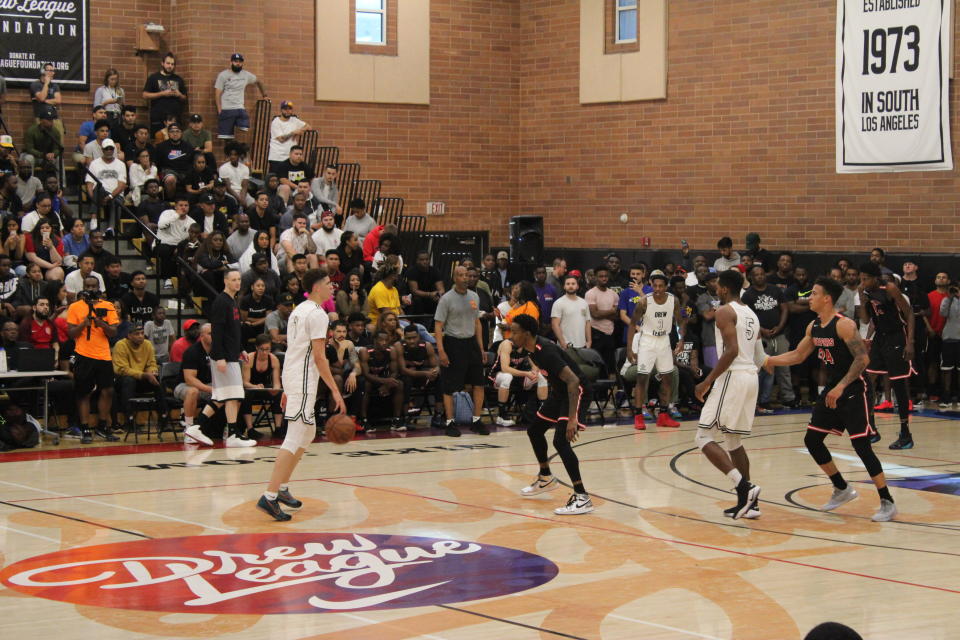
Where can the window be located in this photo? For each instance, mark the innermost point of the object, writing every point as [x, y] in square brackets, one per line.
[626, 21]
[373, 27]
[371, 22]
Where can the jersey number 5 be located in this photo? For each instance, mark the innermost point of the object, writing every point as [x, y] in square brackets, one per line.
[824, 355]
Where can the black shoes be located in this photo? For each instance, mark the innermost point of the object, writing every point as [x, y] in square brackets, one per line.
[903, 442]
[747, 494]
[479, 428]
[272, 509]
[285, 497]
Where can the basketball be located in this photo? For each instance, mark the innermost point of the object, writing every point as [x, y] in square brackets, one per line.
[340, 428]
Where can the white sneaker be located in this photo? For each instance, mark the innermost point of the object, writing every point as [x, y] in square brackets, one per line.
[540, 485]
[194, 434]
[886, 512]
[578, 503]
[840, 498]
[752, 513]
[504, 422]
[237, 441]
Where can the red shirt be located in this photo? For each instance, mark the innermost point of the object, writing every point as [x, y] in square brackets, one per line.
[371, 243]
[179, 346]
[936, 320]
[41, 336]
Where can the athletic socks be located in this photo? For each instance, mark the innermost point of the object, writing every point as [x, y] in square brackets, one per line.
[188, 420]
[476, 419]
[270, 496]
[735, 476]
[838, 481]
[283, 487]
[905, 428]
[885, 494]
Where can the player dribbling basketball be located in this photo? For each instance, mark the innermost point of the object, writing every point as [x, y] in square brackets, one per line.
[304, 366]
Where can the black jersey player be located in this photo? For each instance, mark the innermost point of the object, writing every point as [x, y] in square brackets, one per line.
[844, 403]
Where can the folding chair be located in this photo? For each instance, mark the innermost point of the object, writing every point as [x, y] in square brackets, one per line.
[603, 386]
[169, 376]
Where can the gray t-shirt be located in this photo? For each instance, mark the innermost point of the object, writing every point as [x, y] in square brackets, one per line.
[848, 300]
[159, 335]
[360, 226]
[233, 85]
[950, 310]
[274, 321]
[458, 313]
[40, 108]
[239, 243]
[705, 302]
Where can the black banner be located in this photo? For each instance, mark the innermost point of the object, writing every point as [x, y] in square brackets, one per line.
[34, 32]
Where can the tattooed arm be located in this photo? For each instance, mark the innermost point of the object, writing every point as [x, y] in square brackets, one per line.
[847, 331]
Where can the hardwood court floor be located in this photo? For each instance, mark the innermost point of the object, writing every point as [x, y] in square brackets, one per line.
[655, 560]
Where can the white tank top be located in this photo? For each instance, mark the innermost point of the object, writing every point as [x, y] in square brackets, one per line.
[658, 319]
[748, 333]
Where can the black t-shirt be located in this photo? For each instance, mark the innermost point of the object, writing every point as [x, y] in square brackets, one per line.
[552, 359]
[199, 179]
[195, 357]
[764, 258]
[228, 207]
[766, 304]
[264, 223]
[140, 310]
[426, 280]
[784, 283]
[160, 107]
[122, 136]
[10, 205]
[798, 321]
[152, 209]
[117, 287]
[257, 309]
[176, 156]
[100, 259]
[294, 173]
[225, 318]
[131, 151]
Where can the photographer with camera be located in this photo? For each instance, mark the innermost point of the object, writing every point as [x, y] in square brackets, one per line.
[91, 322]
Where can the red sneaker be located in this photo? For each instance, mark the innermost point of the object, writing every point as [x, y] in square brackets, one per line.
[664, 420]
[638, 422]
[884, 406]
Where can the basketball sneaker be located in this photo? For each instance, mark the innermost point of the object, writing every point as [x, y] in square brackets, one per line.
[540, 485]
[646, 413]
[944, 405]
[452, 430]
[579, 503]
[287, 498]
[398, 425]
[664, 420]
[875, 438]
[886, 405]
[840, 497]
[886, 512]
[238, 441]
[674, 412]
[747, 494]
[504, 422]
[638, 422]
[750, 514]
[272, 509]
[479, 428]
[903, 442]
[194, 434]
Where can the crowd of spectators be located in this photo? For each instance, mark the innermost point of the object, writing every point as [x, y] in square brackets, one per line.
[398, 331]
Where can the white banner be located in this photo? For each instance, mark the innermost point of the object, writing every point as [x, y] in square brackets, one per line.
[893, 111]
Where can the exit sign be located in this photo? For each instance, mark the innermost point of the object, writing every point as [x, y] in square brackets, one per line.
[436, 208]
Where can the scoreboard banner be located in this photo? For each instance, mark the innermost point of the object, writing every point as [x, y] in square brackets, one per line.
[893, 73]
[34, 32]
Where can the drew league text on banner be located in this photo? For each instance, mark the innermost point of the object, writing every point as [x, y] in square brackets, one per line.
[34, 32]
[893, 110]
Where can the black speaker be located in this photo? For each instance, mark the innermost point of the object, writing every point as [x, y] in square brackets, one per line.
[526, 240]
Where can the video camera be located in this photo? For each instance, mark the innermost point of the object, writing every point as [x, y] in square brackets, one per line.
[91, 298]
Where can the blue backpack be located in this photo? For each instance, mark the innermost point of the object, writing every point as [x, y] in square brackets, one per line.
[462, 408]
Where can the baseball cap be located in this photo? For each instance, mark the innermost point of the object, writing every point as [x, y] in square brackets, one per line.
[196, 117]
[503, 255]
[286, 104]
[189, 323]
[206, 198]
[657, 273]
[108, 144]
[286, 298]
[753, 241]
[135, 327]
[172, 126]
[6, 142]
[326, 214]
[575, 273]
[237, 57]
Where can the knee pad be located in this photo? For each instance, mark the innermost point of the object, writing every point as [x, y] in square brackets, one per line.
[731, 441]
[814, 443]
[703, 437]
[503, 380]
[299, 436]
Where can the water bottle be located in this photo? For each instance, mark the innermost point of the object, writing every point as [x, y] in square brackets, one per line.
[3, 360]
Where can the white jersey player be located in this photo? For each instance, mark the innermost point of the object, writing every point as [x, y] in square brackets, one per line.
[304, 366]
[654, 319]
[732, 402]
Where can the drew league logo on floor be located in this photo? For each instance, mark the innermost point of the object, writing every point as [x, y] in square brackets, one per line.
[268, 573]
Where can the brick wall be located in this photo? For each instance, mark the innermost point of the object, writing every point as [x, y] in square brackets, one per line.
[744, 142]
